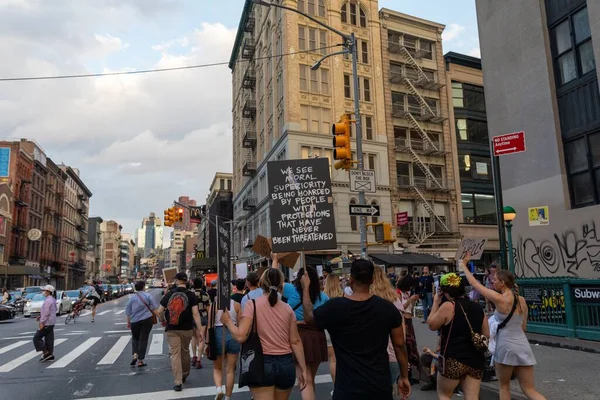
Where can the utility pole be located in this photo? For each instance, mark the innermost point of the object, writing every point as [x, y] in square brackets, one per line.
[350, 47]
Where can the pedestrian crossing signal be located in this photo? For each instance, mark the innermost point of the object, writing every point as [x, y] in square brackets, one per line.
[383, 232]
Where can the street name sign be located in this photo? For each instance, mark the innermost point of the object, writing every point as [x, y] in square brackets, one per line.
[362, 181]
[509, 144]
[370, 211]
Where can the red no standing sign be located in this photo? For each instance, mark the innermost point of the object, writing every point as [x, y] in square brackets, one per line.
[509, 144]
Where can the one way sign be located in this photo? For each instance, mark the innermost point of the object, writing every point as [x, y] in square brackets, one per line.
[370, 211]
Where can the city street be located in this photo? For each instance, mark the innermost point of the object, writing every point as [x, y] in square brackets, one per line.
[92, 362]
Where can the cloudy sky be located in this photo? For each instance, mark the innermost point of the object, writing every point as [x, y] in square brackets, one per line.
[140, 141]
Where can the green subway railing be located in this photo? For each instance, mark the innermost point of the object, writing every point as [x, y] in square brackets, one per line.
[562, 306]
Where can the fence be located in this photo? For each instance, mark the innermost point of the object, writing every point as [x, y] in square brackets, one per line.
[563, 306]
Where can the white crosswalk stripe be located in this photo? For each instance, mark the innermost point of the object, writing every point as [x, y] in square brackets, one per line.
[104, 312]
[156, 345]
[24, 358]
[115, 351]
[119, 312]
[70, 357]
[8, 348]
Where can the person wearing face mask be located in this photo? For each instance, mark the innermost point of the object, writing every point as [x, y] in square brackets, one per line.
[43, 340]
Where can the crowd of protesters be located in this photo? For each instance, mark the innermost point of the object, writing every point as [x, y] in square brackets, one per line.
[275, 334]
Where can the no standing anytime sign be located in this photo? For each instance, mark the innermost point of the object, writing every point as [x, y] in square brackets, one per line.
[509, 144]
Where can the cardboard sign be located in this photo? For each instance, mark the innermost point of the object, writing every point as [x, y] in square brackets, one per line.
[301, 205]
[262, 246]
[473, 246]
[169, 274]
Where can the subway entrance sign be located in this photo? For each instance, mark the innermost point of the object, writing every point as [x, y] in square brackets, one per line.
[509, 144]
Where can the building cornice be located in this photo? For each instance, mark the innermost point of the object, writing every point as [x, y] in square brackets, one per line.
[463, 59]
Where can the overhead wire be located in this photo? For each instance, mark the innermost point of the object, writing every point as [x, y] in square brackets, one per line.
[149, 71]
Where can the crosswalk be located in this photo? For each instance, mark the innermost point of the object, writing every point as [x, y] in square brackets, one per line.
[17, 354]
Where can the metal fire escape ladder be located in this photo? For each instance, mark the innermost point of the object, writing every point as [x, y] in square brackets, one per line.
[430, 209]
[416, 160]
[426, 109]
[416, 126]
[422, 77]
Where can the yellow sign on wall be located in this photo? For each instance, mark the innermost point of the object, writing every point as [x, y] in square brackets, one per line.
[539, 216]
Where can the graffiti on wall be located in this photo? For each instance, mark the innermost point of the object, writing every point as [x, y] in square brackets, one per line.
[573, 252]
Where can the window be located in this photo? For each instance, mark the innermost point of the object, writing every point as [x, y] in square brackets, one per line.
[457, 95]
[323, 42]
[403, 173]
[315, 119]
[468, 96]
[478, 208]
[228, 184]
[353, 219]
[319, 80]
[369, 127]
[469, 130]
[316, 152]
[312, 39]
[366, 89]
[301, 38]
[312, 7]
[583, 166]
[426, 49]
[364, 51]
[474, 167]
[221, 184]
[572, 46]
[347, 89]
[349, 15]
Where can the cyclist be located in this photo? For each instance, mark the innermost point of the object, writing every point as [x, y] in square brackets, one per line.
[93, 297]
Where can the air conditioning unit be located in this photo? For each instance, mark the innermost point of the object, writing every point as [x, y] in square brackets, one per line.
[398, 247]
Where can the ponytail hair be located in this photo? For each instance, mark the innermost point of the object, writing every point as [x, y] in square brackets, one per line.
[271, 284]
[508, 278]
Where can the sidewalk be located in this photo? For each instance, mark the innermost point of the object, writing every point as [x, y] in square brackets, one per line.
[560, 373]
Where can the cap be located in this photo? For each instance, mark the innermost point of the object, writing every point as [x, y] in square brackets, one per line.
[213, 282]
[181, 276]
[48, 288]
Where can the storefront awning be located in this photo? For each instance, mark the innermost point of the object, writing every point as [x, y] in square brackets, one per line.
[408, 260]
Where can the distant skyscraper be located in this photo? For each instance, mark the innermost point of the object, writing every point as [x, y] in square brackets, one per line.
[186, 225]
[150, 236]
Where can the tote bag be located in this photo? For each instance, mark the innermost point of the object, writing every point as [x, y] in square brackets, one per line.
[252, 366]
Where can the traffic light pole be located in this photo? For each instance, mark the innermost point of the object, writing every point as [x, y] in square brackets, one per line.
[359, 153]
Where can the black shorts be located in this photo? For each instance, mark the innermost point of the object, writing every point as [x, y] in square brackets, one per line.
[95, 301]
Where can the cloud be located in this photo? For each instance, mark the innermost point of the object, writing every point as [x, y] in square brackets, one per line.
[476, 52]
[140, 140]
[451, 32]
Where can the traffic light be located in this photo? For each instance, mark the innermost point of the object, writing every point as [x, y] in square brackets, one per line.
[383, 232]
[166, 218]
[341, 142]
[180, 215]
[173, 217]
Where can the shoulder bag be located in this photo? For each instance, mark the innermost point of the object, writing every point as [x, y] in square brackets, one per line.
[211, 349]
[510, 315]
[441, 361]
[479, 340]
[252, 366]
[154, 319]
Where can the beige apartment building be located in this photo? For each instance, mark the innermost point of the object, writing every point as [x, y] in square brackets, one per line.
[421, 169]
[111, 248]
[284, 110]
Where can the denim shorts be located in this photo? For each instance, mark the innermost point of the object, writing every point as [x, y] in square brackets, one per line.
[231, 346]
[280, 371]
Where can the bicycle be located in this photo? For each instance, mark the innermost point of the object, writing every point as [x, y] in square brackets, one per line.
[77, 309]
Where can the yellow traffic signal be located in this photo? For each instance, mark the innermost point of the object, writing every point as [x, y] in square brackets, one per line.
[173, 217]
[341, 142]
[167, 219]
[180, 215]
[383, 232]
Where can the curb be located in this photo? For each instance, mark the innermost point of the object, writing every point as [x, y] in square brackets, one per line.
[566, 346]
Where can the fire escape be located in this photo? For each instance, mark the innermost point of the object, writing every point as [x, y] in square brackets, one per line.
[417, 111]
[249, 107]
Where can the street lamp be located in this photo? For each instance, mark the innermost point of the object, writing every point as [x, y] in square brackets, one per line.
[350, 44]
[509, 215]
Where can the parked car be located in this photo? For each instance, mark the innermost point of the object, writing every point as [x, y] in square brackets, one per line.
[7, 312]
[34, 306]
[116, 291]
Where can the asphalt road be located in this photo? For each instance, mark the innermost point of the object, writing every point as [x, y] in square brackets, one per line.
[92, 362]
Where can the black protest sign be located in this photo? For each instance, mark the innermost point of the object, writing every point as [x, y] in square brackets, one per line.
[223, 263]
[301, 205]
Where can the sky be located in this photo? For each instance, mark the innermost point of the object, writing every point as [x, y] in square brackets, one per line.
[141, 141]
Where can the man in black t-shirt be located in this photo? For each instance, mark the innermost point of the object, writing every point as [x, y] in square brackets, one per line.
[178, 311]
[426, 283]
[360, 327]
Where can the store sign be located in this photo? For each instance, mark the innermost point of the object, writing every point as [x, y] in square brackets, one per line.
[586, 294]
